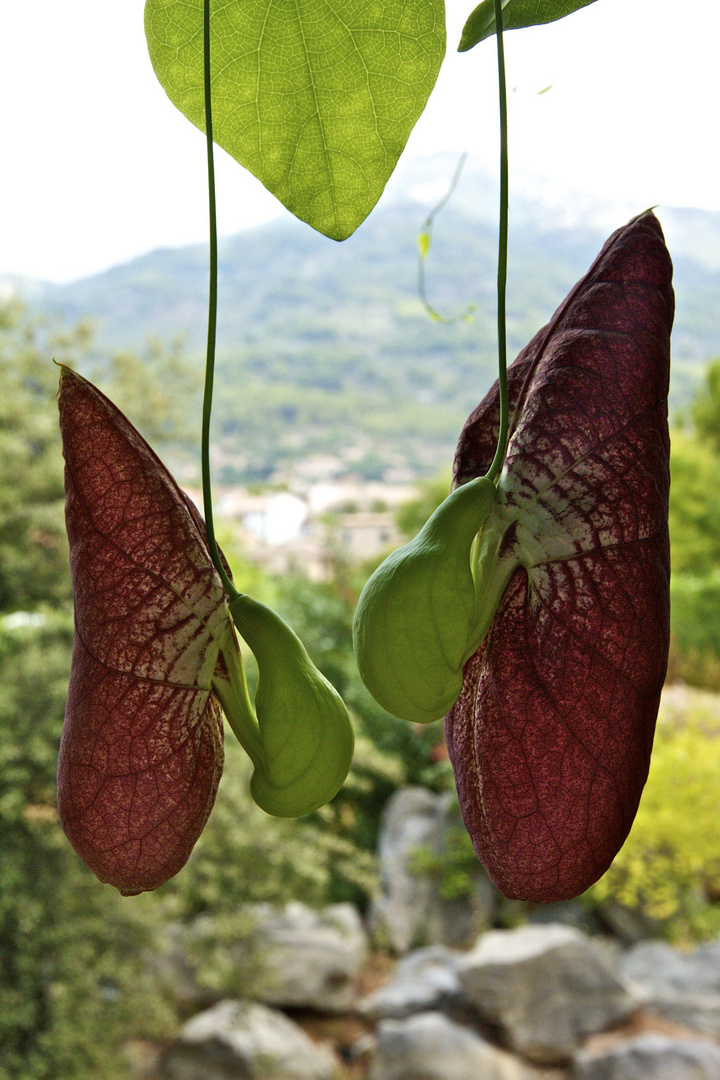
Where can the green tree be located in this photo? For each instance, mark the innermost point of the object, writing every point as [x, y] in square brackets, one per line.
[670, 864]
[75, 980]
[158, 389]
[695, 540]
[694, 503]
[705, 408]
[33, 547]
[74, 977]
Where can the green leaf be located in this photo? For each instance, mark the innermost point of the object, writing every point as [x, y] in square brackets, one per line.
[516, 15]
[317, 98]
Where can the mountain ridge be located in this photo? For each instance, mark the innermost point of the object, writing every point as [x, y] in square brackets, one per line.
[325, 347]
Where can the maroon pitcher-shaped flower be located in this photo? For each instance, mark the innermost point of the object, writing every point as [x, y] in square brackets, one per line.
[142, 751]
[550, 738]
[156, 658]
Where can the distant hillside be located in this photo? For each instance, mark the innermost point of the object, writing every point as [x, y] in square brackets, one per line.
[325, 348]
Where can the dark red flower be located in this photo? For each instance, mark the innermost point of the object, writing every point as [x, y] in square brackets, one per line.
[141, 752]
[550, 738]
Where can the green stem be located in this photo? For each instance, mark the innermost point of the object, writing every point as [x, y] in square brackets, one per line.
[500, 452]
[426, 233]
[212, 319]
[230, 687]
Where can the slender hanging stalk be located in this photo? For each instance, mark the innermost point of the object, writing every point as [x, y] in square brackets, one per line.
[499, 458]
[424, 241]
[212, 318]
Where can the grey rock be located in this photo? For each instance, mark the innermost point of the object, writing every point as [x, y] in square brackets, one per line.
[363, 1048]
[683, 988]
[650, 1057]
[237, 1040]
[700, 1012]
[457, 922]
[411, 819]
[171, 962]
[410, 910]
[290, 956]
[306, 958]
[205, 960]
[547, 987]
[707, 960]
[430, 1046]
[657, 965]
[425, 979]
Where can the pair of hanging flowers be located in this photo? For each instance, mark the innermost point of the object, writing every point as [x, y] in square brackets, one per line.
[532, 611]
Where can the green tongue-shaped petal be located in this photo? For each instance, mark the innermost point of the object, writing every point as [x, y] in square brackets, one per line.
[416, 620]
[305, 732]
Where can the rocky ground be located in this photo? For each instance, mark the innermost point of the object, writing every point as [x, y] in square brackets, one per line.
[309, 995]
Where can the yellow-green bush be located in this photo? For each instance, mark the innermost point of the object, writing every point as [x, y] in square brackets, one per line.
[670, 864]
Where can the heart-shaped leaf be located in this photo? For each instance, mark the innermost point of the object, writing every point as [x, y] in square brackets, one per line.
[516, 15]
[141, 752]
[550, 738]
[316, 99]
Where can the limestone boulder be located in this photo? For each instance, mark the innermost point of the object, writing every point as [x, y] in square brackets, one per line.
[546, 987]
[683, 988]
[411, 820]
[290, 956]
[241, 1040]
[628, 925]
[650, 1057]
[431, 1046]
[306, 958]
[656, 965]
[699, 1012]
[424, 980]
[410, 909]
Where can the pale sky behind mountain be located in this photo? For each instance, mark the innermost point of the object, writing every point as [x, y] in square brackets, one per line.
[98, 166]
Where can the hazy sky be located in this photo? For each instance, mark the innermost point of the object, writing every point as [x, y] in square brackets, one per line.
[98, 166]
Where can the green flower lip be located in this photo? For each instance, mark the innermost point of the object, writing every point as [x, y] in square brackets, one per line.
[304, 728]
[418, 616]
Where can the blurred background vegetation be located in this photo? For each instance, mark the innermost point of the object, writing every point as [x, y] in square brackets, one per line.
[75, 976]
